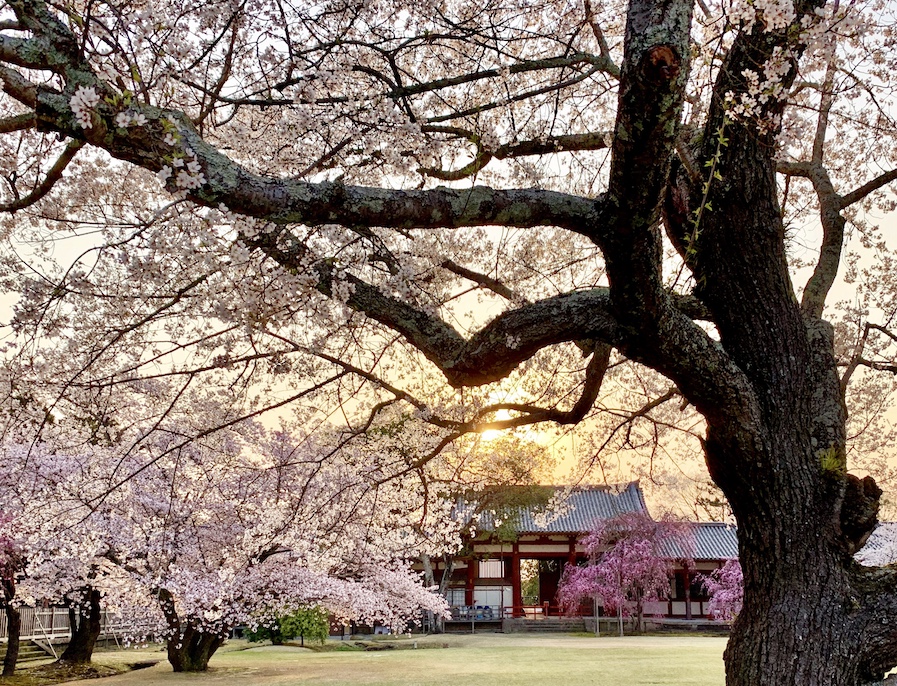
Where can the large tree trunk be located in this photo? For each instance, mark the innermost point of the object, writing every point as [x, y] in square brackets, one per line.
[85, 624]
[437, 622]
[190, 647]
[429, 580]
[639, 612]
[13, 623]
[806, 618]
[776, 441]
[805, 621]
[14, 626]
[191, 650]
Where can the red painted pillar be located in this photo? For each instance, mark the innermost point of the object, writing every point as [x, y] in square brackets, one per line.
[471, 575]
[571, 561]
[516, 587]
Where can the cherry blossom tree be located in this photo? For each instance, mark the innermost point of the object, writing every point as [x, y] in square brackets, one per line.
[629, 565]
[270, 540]
[50, 553]
[209, 535]
[725, 587]
[653, 199]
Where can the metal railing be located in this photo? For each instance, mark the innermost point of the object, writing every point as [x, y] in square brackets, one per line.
[671, 609]
[490, 613]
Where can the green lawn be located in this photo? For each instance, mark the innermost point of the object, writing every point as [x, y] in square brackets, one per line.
[483, 660]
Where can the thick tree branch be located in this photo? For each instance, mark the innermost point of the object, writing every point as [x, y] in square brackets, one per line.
[295, 201]
[825, 108]
[279, 200]
[497, 348]
[530, 414]
[859, 193]
[518, 97]
[652, 330]
[823, 278]
[493, 285]
[20, 88]
[592, 21]
[878, 366]
[550, 144]
[651, 95]
[19, 122]
[599, 62]
[833, 224]
[501, 345]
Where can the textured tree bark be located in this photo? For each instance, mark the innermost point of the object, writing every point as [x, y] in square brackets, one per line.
[13, 617]
[14, 627]
[437, 622]
[800, 514]
[189, 648]
[639, 613]
[85, 628]
[802, 617]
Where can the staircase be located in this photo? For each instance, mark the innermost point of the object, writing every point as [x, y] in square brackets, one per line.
[555, 625]
[29, 651]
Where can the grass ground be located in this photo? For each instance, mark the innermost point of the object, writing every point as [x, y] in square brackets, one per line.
[482, 660]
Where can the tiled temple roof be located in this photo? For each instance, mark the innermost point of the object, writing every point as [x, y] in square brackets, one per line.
[582, 507]
[704, 541]
[578, 511]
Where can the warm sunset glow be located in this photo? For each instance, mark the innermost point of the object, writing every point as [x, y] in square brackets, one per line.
[492, 434]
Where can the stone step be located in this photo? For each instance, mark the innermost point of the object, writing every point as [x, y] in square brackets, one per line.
[30, 651]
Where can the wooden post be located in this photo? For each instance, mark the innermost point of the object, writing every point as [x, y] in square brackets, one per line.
[471, 576]
[516, 587]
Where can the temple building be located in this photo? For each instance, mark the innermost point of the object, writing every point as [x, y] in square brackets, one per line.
[514, 571]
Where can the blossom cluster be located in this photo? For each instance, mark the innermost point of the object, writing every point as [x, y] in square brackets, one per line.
[128, 118]
[629, 563]
[725, 586]
[82, 102]
[187, 171]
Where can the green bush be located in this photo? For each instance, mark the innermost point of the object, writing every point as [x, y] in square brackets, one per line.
[310, 623]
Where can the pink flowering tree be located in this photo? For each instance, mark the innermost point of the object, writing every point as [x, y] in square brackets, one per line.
[629, 565]
[206, 534]
[64, 551]
[65, 547]
[725, 586]
[244, 535]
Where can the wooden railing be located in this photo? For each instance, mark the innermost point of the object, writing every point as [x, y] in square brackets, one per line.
[53, 623]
